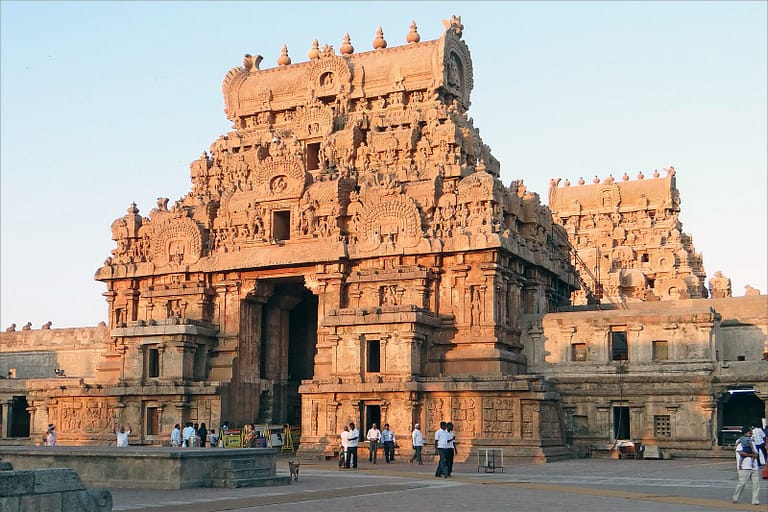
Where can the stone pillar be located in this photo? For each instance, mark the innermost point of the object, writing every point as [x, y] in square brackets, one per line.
[636, 419]
[7, 418]
[604, 421]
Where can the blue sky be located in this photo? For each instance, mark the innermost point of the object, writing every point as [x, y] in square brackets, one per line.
[107, 103]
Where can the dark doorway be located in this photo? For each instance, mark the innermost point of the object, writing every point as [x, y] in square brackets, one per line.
[19, 418]
[287, 346]
[621, 422]
[740, 407]
[372, 415]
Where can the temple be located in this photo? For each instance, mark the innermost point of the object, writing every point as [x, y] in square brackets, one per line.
[348, 252]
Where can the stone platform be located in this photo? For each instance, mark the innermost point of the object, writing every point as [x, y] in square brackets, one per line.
[154, 468]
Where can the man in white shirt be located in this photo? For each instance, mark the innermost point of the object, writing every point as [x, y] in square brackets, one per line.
[344, 446]
[122, 436]
[187, 434]
[176, 436]
[747, 466]
[441, 445]
[374, 437]
[388, 442]
[417, 440]
[352, 439]
[758, 437]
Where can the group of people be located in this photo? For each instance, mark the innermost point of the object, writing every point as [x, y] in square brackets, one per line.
[193, 434]
[750, 456]
[444, 443]
[50, 437]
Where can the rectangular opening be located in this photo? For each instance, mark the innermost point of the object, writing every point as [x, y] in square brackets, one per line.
[372, 415]
[374, 356]
[153, 362]
[619, 348]
[660, 350]
[153, 421]
[281, 225]
[621, 422]
[579, 352]
[662, 427]
[313, 158]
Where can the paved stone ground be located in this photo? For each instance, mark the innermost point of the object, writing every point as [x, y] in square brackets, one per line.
[584, 485]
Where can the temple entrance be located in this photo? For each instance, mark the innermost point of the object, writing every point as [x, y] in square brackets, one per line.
[286, 336]
[19, 418]
[738, 407]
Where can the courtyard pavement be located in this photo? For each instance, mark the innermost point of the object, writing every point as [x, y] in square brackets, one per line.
[580, 485]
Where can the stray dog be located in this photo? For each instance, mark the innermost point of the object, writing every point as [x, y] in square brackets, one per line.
[294, 466]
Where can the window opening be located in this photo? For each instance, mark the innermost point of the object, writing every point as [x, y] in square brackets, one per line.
[374, 356]
[281, 225]
[153, 421]
[619, 347]
[153, 362]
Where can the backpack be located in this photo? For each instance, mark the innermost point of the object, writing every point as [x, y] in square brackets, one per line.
[746, 444]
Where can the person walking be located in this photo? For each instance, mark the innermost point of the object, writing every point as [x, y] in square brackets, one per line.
[747, 466]
[374, 438]
[388, 442]
[441, 446]
[451, 447]
[417, 440]
[176, 436]
[122, 436]
[353, 439]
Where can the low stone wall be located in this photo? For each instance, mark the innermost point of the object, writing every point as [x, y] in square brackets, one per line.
[154, 468]
[51, 490]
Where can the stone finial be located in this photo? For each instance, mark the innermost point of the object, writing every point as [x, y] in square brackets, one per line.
[47, 325]
[27, 326]
[670, 170]
[595, 180]
[567, 183]
[749, 291]
[640, 175]
[581, 181]
[346, 47]
[625, 177]
[11, 328]
[656, 173]
[133, 210]
[413, 36]
[379, 42]
[283, 59]
[314, 52]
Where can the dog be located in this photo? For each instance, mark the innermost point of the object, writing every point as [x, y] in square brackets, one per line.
[294, 466]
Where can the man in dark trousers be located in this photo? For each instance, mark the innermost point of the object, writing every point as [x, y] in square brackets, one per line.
[352, 440]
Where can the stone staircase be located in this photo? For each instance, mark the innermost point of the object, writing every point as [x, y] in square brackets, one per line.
[235, 473]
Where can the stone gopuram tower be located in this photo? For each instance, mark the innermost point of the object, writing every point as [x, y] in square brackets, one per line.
[347, 253]
[628, 238]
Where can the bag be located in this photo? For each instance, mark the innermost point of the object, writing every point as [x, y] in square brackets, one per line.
[746, 444]
[764, 473]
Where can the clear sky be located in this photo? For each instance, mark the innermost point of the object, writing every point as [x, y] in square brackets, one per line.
[107, 103]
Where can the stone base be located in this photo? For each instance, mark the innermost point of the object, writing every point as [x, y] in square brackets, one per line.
[155, 468]
[52, 490]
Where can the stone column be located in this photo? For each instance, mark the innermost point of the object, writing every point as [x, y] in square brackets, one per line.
[7, 417]
[604, 420]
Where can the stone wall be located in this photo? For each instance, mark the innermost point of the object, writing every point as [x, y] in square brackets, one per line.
[36, 353]
[49, 490]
